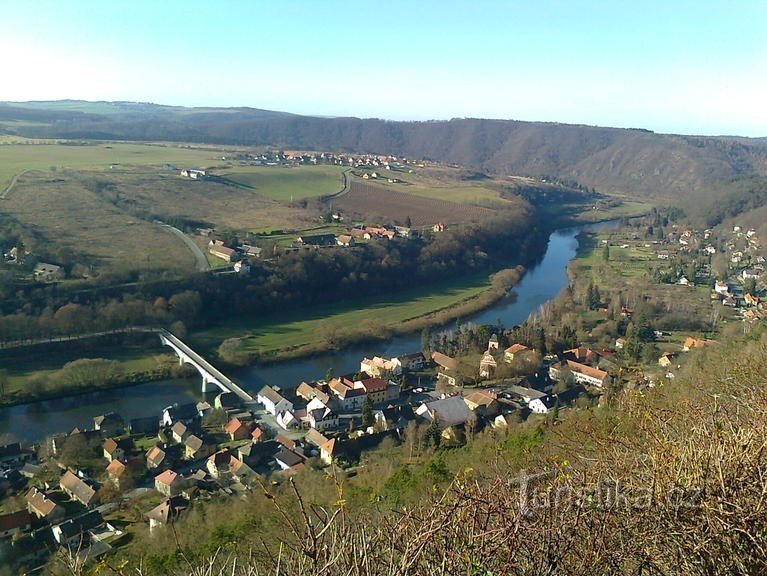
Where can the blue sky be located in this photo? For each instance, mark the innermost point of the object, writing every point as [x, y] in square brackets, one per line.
[670, 66]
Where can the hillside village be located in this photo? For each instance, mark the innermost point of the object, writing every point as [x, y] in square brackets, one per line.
[73, 492]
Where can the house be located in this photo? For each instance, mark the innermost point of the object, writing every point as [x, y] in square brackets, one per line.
[376, 389]
[236, 429]
[179, 432]
[751, 300]
[328, 451]
[15, 523]
[721, 287]
[223, 465]
[223, 252]
[665, 361]
[169, 483]
[412, 361]
[381, 367]
[402, 231]
[78, 489]
[447, 369]
[111, 423]
[287, 459]
[186, 413]
[348, 398]
[195, 448]
[438, 227]
[242, 267]
[750, 273]
[257, 435]
[345, 240]
[249, 250]
[155, 458]
[116, 471]
[272, 401]
[582, 373]
[515, 351]
[320, 416]
[112, 450]
[448, 412]
[487, 366]
[48, 272]
[315, 437]
[317, 240]
[690, 343]
[166, 512]
[543, 404]
[582, 354]
[41, 506]
[683, 281]
[483, 403]
[75, 532]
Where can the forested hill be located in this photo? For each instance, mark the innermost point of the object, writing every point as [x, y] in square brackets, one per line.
[631, 161]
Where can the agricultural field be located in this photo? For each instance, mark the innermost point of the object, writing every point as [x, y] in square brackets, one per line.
[380, 204]
[287, 184]
[15, 157]
[441, 183]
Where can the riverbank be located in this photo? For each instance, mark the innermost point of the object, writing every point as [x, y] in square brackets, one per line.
[309, 332]
[72, 368]
[375, 322]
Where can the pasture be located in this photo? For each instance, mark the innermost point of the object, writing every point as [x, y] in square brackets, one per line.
[96, 156]
[441, 183]
[287, 184]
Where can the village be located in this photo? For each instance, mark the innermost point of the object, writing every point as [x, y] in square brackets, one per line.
[73, 491]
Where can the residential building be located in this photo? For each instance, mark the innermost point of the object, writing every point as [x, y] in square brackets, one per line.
[515, 351]
[75, 532]
[15, 523]
[111, 423]
[78, 489]
[39, 504]
[166, 512]
[169, 483]
[155, 458]
[447, 369]
[272, 401]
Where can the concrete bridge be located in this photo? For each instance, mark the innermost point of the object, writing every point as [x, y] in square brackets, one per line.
[210, 374]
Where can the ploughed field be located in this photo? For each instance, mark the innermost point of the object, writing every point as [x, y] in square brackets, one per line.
[373, 202]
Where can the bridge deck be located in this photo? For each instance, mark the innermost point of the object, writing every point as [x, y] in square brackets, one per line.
[207, 366]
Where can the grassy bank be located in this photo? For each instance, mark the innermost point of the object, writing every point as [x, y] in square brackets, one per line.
[43, 373]
[306, 332]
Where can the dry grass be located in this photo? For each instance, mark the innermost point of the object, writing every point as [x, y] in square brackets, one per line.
[67, 213]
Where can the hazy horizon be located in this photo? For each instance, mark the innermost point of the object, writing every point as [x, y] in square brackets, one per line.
[685, 68]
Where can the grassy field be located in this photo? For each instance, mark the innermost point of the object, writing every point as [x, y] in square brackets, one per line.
[287, 184]
[437, 183]
[17, 157]
[290, 330]
[64, 211]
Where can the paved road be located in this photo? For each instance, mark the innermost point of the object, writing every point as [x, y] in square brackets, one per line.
[347, 185]
[12, 184]
[202, 261]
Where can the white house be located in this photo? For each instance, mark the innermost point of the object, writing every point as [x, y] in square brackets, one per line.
[721, 287]
[272, 401]
[543, 405]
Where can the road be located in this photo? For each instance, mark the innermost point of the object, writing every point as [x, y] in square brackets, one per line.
[12, 184]
[202, 261]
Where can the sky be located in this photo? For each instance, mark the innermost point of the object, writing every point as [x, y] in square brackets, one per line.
[693, 67]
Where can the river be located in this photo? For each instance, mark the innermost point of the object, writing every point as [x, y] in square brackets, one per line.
[541, 283]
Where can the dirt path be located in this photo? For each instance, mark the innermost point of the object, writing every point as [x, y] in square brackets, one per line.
[13, 183]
